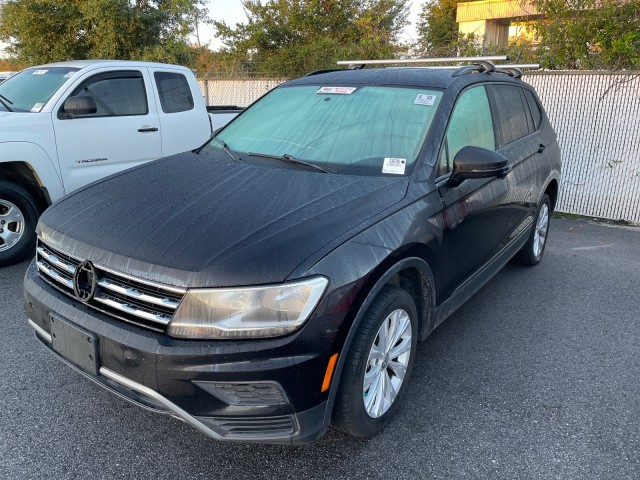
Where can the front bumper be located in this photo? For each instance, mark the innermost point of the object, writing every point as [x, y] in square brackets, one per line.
[266, 391]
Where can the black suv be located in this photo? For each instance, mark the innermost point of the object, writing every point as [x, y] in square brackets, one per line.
[277, 280]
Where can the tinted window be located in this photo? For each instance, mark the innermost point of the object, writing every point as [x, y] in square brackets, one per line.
[511, 116]
[116, 94]
[470, 125]
[534, 107]
[175, 94]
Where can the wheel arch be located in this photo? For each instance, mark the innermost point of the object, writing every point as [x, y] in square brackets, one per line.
[404, 267]
[21, 173]
[552, 190]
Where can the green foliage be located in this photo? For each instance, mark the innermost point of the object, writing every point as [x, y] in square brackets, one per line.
[41, 31]
[293, 37]
[438, 30]
[589, 34]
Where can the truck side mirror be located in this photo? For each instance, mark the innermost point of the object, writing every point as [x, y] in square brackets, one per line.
[476, 162]
[78, 106]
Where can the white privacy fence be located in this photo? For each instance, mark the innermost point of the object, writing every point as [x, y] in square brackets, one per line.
[597, 118]
[596, 115]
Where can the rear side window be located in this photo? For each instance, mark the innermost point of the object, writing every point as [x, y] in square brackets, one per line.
[512, 116]
[116, 94]
[470, 125]
[536, 112]
[174, 91]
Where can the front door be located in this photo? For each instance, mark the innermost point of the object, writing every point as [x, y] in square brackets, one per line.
[122, 133]
[474, 213]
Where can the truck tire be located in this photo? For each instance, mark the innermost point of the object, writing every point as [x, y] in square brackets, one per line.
[18, 217]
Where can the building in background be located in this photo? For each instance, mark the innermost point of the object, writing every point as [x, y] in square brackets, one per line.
[495, 22]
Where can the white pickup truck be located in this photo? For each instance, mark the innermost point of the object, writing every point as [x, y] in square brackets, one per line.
[64, 125]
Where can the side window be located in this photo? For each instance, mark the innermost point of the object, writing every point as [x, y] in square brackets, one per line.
[115, 94]
[470, 125]
[512, 120]
[175, 94]
[536, 112]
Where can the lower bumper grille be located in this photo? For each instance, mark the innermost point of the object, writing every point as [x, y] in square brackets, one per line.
[141, 302]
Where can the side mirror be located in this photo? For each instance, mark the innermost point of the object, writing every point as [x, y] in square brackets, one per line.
[476, 162]
[78, 106]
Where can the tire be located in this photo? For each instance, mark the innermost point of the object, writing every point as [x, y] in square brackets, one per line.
[532, 251]
[350, 414]
[18, 217]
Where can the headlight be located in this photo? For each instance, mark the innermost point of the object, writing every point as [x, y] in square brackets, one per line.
[267, 311]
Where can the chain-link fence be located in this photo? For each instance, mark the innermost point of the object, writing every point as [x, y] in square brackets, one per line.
[596, 115]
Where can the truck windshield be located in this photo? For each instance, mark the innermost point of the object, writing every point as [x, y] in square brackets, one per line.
[31, 89]
[364, 130]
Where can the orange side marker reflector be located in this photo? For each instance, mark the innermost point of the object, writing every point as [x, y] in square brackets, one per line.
[326, 383]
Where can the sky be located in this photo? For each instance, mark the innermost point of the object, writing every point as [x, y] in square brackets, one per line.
[231, 11]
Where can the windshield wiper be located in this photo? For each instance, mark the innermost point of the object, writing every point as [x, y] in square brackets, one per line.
[226, 148]
[291, 159]
[4, 100]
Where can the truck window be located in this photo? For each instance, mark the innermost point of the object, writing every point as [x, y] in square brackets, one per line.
[174, 91]
[116, 94]
[31, 89]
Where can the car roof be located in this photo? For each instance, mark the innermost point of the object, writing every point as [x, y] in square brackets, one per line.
[111, 63]
[404, 77]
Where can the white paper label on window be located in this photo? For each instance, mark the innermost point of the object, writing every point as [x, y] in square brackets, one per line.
[427, 100]
[39, 72]
[37, 107]
[395, 166]
[69, 75]
[337, 90]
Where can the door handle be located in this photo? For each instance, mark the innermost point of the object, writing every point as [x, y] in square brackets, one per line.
[542, 148]
[147, 128]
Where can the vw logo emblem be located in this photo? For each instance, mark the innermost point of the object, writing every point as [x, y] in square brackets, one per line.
[84, 281]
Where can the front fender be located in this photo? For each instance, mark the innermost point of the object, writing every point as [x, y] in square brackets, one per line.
[35, 156]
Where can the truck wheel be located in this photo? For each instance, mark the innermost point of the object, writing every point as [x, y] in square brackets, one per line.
[18, 216]
[377, 371]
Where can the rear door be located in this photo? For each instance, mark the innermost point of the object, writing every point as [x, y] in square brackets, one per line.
[475, 212]
[122, 133]
[183, 116]
[517, 134]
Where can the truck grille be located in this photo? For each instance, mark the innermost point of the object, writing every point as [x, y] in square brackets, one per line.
[133, 300]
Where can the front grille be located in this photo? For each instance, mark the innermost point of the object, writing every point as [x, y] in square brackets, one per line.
[133, 300]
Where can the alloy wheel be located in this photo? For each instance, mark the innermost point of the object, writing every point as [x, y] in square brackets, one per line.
[387, 363]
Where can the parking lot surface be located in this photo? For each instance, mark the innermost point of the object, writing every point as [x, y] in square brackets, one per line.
[537, 376]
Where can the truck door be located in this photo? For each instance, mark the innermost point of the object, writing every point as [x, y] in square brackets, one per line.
[121, 133]
[181, 112]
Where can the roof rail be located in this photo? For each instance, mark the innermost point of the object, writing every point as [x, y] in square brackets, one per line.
[361, 63]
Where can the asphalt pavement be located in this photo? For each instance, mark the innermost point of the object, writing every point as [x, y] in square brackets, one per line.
[537, 376]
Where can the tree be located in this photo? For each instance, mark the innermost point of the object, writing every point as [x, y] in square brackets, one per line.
[40, 31]
[293, 37]
[589, 34]
[437, 28]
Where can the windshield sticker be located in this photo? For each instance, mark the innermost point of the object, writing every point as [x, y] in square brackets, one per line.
[37, 107]
[427, 100]
[69, 75]
[39, 72]
[337, 90]
[394, 165]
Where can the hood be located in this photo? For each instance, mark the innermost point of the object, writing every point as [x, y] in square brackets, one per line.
[196, 221]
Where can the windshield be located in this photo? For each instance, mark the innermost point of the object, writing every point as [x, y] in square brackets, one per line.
[370, 130]
[31, 89]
